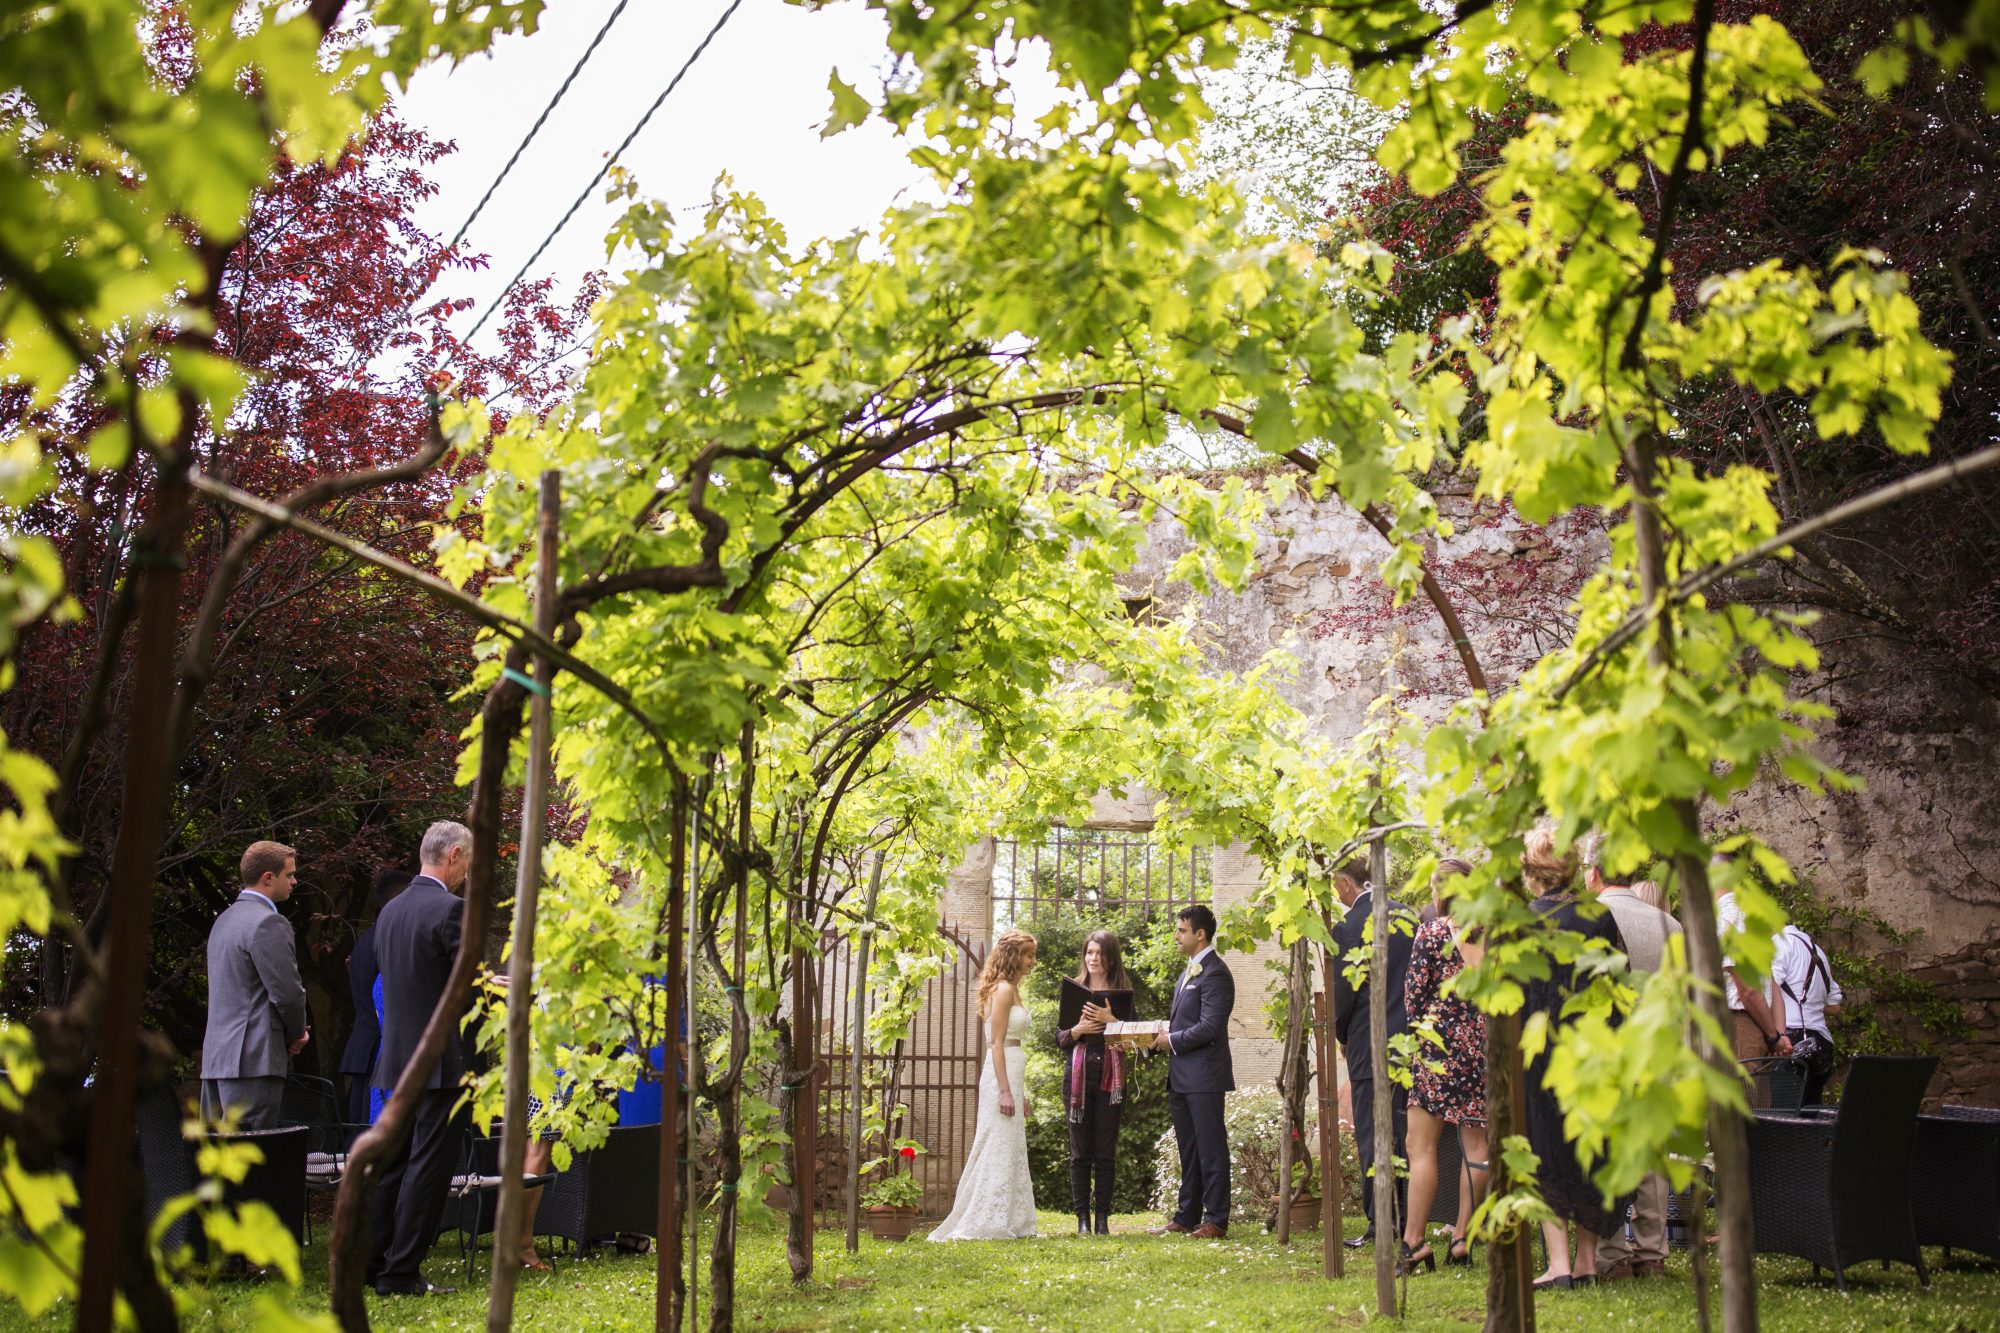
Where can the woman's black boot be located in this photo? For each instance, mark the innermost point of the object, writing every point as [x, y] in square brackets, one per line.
[1079, 1195]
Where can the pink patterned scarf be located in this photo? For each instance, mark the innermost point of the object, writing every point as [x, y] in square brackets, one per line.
[1112, 1082]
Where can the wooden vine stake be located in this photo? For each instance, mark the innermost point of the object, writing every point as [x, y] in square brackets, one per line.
[1388, 1227]
[855, 1042]
[1332, 1188]
[507, 1226]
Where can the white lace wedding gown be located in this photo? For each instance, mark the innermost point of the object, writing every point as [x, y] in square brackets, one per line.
[996, 1197]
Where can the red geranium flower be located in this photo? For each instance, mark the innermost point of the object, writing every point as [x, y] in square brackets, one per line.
[907, 1152]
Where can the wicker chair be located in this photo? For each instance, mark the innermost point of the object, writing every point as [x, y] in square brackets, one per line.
[1778, 1083]
[168, 1162]
[1836, 1189]
[1955, 1189]
[606, 1191]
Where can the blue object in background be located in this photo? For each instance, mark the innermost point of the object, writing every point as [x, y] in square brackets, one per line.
[641, 1106]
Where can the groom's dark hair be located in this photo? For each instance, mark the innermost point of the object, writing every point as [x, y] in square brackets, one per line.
[1198, 916]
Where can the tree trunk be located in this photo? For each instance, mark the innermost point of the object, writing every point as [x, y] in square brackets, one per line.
[729, 1113]
[801, 1114]
[111, 1189]
[510, 1211]
[668, 1291]
[1510, 1258]
[1727, 1136]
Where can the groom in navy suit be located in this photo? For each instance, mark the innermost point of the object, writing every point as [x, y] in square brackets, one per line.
[1198, 1037]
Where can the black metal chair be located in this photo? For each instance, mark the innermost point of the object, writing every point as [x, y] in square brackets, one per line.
[1955, 1186]
[1835, 1189]
[607, 1191]
[472, 1206]
[313, 1103]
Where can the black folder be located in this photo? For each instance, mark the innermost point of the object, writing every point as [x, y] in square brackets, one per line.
[1074, 997]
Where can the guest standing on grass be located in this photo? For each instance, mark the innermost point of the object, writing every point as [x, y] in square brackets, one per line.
[256, 1002]
[1354, 937]
[1565, 1186]
[1645, 930]
[364, 1039]
[1094, 1086]
[416, 942]
[1448, 1084]
[1197, 1036]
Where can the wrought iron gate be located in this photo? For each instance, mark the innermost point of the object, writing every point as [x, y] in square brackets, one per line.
[933, 1072]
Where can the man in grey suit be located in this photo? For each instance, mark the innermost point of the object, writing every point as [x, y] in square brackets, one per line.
[256, 1002]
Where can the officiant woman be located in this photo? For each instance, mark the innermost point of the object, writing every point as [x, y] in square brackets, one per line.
[1094, 1086]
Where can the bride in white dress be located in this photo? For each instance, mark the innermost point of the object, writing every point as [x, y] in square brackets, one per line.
[996, 1197]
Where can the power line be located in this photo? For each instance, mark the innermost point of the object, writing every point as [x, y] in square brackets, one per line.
[604, 170]
[536, 128]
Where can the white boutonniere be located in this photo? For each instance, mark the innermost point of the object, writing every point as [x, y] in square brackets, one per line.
[1194, 970]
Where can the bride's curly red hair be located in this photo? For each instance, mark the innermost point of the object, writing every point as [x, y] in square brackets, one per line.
[1013, 954]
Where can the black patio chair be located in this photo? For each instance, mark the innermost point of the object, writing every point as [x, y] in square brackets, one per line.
[608, 1191]
[1835, 1189]
[1955, 1186]
[168, 1161]
[473, 1204]
[1778, 1083]
[313, 1103]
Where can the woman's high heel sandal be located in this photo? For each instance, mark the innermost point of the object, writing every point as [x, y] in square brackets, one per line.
[1458, 1254]
[1413, 1258]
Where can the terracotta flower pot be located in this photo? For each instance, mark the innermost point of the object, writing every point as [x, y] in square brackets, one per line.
[890, 1223]
[1305, 1212]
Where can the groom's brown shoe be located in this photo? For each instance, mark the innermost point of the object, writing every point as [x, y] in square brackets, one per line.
[1209, 1231]
[1170, 1229]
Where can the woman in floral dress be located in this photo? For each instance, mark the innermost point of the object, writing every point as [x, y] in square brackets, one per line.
[1448, 1081]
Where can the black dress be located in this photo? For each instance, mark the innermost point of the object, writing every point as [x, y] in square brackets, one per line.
[1565, 1185]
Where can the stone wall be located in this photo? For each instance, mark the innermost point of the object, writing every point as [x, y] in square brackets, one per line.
[1916, 848]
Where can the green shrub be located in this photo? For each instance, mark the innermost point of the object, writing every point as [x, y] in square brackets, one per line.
[1153, 970]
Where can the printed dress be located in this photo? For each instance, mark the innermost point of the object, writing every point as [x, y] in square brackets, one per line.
[1456, 1089]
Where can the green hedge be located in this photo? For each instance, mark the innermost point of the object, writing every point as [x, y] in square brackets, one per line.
[1154, 965]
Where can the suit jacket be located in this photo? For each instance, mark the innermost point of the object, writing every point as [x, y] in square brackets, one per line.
[256, 1002]
[1198, 1028]
[416, 940]
[1351, 1005]
[358, 1056]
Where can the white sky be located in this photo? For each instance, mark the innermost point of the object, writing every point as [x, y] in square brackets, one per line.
[750, 107]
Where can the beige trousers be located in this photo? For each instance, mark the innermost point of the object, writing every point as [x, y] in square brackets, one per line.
[1649, 1228]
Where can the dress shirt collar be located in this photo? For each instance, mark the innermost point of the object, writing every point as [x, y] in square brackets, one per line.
[429, 879]
[1195, 961]
[247, 893]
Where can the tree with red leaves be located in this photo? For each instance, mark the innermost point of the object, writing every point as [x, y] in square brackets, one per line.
[328, 719]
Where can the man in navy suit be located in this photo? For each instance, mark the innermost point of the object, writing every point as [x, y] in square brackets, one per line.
[1355, 937]
[1198, 1037]
[416, 942]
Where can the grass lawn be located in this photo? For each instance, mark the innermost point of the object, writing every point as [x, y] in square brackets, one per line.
[1130, 1281]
